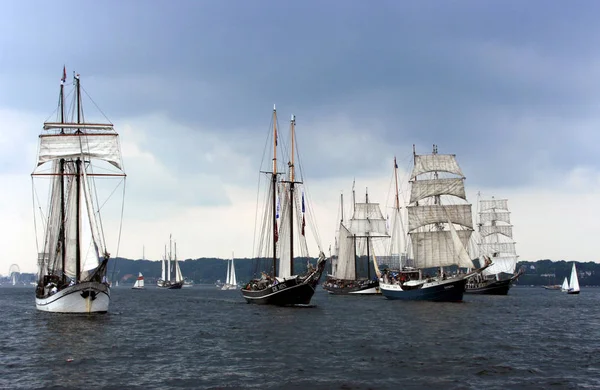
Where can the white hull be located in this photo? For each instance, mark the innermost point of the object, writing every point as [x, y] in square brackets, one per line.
[368, 291]
[229, 287]
[86, 297]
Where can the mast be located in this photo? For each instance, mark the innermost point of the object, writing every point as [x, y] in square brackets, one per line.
[274, 190]
[169, 259]
[368, 252]
[342, 207]
[397, 217]
[78, 181]
[62, 182]
[292, 125]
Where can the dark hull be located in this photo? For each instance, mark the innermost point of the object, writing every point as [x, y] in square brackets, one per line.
[371, 288]
[286, 293]
[172, 286]
[448, 292]
[491, 287]
[572, 292]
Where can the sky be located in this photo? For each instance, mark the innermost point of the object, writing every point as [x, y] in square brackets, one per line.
[512, 88]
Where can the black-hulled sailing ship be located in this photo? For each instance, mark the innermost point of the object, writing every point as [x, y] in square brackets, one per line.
[496, 242]
[354, 245]
[439, 232]
[281, 235]
[171, 277]
[73, 260]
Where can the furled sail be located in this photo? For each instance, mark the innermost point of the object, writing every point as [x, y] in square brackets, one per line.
[368, 220]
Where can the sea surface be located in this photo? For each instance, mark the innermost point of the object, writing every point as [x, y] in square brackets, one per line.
[204, 338]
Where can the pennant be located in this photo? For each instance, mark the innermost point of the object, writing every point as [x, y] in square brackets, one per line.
[395, 163]
[276, 233]
[277, 209]
[303, 201]
[64, 76]
[303, 224]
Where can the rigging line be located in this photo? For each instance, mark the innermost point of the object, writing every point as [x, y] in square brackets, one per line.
[33, 196]
[102, 112]
[119, 235]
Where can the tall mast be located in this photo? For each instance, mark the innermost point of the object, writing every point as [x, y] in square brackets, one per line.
[169, 258]
[368, 252]
[274, 190]
[342, 207]
[62, 181]
[396, 178]
[292, 126]
[78, 179]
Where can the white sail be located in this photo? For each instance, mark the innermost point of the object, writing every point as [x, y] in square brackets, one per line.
[228, 279]
[496, 236]
[421, 189]
[87, 146]
[233, 279]
[574, 282]
[498, 216]
[178, 274]
[436, 163]
[71, 229]
[163, 274]
[139, 282]
[493, 204]
[367, 220]
[428, 214]
[437, 248]
[565, 285]
[346, 257]
[462, 258]
[505, 230]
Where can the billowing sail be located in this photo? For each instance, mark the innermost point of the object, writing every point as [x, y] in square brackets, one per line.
[565, 285]
[435, 163]
[346, 257]
[437, 248]
[496, 236]
[228, 279]
[574, 282]
[368, 220]
[86, 146]
[422, 189]
[232, 279]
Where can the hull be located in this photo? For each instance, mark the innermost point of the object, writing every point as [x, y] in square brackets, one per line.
[450, 290]
[229, 287]
[171, 285]
[137, 288]
[86, 297]
[369, 288]
[573, 292]
[287, 293]
[495, 287]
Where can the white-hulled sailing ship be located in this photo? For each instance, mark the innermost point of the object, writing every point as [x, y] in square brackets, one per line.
[171, 276]
[355, 244]
[279, 241]
[139, 282]
[230, 280]
[496, 242]
[439, 233]
[73, 260]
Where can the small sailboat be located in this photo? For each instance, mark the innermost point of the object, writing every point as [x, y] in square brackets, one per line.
[139, 282]
[565, 285]
[230, 281]
[170, 268]
[574, 282]
[279, 241]
[355, 244]
[436, 241]
[73, 258]
[496, 241]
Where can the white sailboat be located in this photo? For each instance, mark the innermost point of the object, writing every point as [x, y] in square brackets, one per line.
[231, 281]
[73, 256]
[170, 268]
[139, 282]
[565, 285]
[574, 282]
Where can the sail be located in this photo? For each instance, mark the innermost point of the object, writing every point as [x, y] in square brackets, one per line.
[233, 280]
[493, 204]
[565, 285]
[428, 214]
[346, 256]
[368, 220]
[438, 248]
[505, 230]
[502, 264]
[87, 146]
[228, 279]
[89, 234]
[497, 216]
[421, 189]
[284, 242]
[496, 235]
[488, 248]
[178, 274]
[70, 228]
[163, 274]
[435, 163]
[139, 283]
[574, 283]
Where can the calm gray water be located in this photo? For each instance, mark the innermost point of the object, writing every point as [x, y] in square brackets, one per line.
[206, 338]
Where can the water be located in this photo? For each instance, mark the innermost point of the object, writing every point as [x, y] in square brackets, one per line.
[206, 338]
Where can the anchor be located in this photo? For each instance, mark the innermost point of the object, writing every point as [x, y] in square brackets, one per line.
[91, 294]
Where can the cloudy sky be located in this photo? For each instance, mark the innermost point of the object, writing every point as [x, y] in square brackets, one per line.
[511, 87]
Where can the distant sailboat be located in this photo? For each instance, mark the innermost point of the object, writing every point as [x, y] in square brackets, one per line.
[574, 282]
[496, 242]
[355, 244]
[139, 282]
[279, 242]
[170, 268]
[230, 281]
[72, 262]
[565, 285]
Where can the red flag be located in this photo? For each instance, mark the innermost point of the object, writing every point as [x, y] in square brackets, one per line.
[303, 224]
[276, 233]
[64, 78]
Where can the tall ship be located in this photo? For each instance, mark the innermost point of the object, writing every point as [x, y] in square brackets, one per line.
[282, 223]
[354, 246]
[495, 241]
[72, 251]
[439, 228]
[171, 276]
